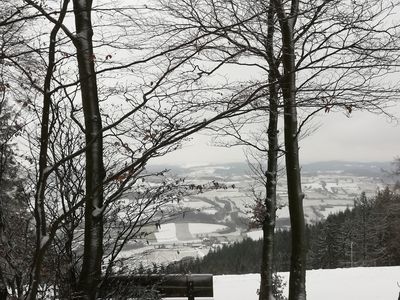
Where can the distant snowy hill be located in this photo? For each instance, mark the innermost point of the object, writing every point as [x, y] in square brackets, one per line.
[371, 169]
[329, 187]
[379, 283]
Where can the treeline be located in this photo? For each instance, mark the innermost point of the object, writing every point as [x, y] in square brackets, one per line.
[366, 235]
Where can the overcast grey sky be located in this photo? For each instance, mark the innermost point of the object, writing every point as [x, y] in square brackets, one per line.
[361, 137]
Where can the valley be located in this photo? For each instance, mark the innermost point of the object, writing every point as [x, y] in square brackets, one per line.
[214, 217]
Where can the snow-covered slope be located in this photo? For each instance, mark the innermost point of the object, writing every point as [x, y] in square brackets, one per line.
[378, 283]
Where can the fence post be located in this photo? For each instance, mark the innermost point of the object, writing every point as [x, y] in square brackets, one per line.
[3, 293]
[190, 287]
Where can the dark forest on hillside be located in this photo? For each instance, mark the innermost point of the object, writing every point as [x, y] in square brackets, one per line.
[366, 235]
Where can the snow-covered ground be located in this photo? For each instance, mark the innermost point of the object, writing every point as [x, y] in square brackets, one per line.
[378, 283]
[255, 235]
[204, 228]
[174, 232]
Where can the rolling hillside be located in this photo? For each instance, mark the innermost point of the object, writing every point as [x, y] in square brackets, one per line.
[220, 216]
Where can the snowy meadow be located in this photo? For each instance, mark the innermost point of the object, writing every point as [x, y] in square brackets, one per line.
[379, 283]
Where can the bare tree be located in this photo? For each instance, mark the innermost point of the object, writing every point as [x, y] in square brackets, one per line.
[163, 88]
[333, 55]
[297, 288]
[16, 238]
[16, 233]
[162, 113]
[357, 47]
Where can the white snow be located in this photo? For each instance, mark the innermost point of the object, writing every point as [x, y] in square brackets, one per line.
[235, 287]
[97, 211]
[44, 241]
[255, 235]
[167, 233]
[378, 283]
[210, 211]
[204, 228]
[198, 204]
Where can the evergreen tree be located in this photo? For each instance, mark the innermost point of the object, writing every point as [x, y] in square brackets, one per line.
[368, 235]
[386, 225]
[328, 247]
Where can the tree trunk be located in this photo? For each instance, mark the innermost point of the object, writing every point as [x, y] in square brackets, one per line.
[288, 83]
[93, 242]
[266, 284]
[42, 239]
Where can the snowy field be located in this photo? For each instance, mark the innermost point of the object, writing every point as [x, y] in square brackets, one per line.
[378, 283]
[255, 235]
[174, 232]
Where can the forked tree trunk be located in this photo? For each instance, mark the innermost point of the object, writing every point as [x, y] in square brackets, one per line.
[93, 242]
[42, 239]
[297, 279]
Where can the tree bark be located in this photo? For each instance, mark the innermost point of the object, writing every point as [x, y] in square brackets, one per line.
[93, 242]
[266, 286]
[42, 238]
[297, 279]
[268, 226]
